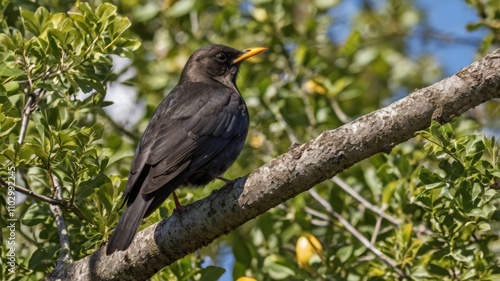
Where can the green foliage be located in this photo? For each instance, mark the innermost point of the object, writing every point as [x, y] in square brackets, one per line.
[64, 53]
[488, 18]
[47, 59]
[191, 269]
[459, 203]
[437, 194]
[444, 197]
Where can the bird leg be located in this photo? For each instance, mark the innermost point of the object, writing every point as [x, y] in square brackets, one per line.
[226, 181]
[178, 206]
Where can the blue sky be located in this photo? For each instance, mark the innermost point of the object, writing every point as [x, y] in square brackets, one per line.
[448, 18]
[451, 18]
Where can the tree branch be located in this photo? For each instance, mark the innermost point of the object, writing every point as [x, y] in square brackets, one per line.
[53, 201]
[64, 253]
[288, 175]
[379, 211]
[30, 193]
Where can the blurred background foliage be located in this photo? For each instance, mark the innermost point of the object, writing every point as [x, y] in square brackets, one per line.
[97, 70]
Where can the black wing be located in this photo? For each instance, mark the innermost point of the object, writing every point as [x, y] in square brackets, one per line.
[184, 134]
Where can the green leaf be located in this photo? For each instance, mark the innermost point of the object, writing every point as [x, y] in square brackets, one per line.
[470, 274]
[455, 169]
[146, 12]
[105, 198]
[125, 48]
[119, 26]
[87, 187]
[81, 23]
[87, 85]
[105, 11]
[28, 150]
[6, 42]
[483, 226]
[11, 86]
[406, 234]
[388, 191]
[86, 10]
[344, 253]
[352, 44]
[9, 116]
[489, 194]
[242, 253]
[274, 266]
[180, 8]
[44, 148]
[447, 192]
[211, 273]
[11, 72]
[54, 37]
[476, 191]
[437, 270]
[427, 177]
[462, 256]
[325, 4]
[97, 131]
[36, 214]
[30, 22]
[61, 22]
[484, 212]
[41, 257]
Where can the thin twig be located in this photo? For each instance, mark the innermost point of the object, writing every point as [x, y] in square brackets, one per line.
[66, 205]
[377, 226]
[281, 119]
[344, 118]
[31, 105]
[320, 200]
[307, 106]
[317, 214]
[342, 184]
[381, 212]
[351, 229]
[133, 136]
[64, 253]
[26, 118]
[29, 102]
[30, 193]
[323, 221]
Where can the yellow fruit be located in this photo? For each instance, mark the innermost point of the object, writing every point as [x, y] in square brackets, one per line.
[307, 247]
[314, 87]
[256, 140]
[259, 14]
[244, 278]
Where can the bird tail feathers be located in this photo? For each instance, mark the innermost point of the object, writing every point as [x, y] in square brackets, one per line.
[127, 226]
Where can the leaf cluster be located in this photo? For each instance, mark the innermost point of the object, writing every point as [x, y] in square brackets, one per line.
[49, 62]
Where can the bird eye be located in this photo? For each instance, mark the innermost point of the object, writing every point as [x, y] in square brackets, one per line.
[221, 57]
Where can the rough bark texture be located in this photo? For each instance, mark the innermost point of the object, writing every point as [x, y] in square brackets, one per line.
[294, 172]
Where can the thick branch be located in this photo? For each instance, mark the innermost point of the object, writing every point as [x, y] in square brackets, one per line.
[292, 173]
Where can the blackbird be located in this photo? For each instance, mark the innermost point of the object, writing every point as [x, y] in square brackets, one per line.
[194, 136]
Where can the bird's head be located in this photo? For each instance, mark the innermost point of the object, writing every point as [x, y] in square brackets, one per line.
[216, 62]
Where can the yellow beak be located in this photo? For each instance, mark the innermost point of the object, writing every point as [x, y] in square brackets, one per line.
[250, 52]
